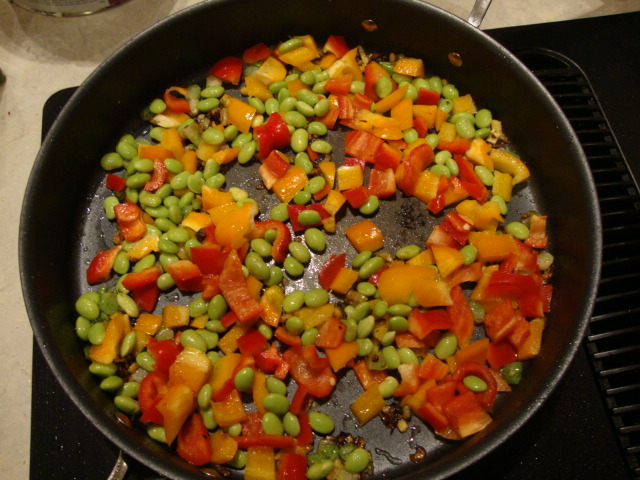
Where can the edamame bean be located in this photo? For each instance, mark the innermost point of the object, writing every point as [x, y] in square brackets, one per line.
[128, 344]
[271, 105]
[483, 132]
[316, 297]
[145, 262]
[271, 424]
[157, 433]
[302, 197]
[370, 206]
[82, 328]
[407, 252]
[108, 204]
[398, 324]
[446, 346]
[279, 213]
[96, 332]
[293, 301]
[440, 170]
[275, 385]
[518, 229]
[295, 119]
[257, 266]
[243, 380]
[190, 338]
[357, 460]
[370, 267]
[315, 184]
[351, 331]
[399, 309]
[410, 135]
[366, 326]
[383, 87]
[291, 424]
[126, 150]
[469, 253]
[449, 91]
[300, 252]
[128, 305]
[275, 276]
[127, 405]
[432, 139]
[391, 357]
[388, 386]
[484, 174]
[366, 288]
[321, 423]
[360, 311]
[308, 337]
[452, 166]
[302, 160]
[208, 104]
[293, 267]
[265, 331]
[165, 281]
[512, 373]
[315, 239]
[130, 389]
[465, 128]
[474, 383]
[88, 307]
[545, 260]
[289, 45]
[483, 118]
[408, 356]
[210, 337]
[173, 166]
[146, 361]
[103, 370]
[308, 78]
[322, 107]
[309, 217]
[365, 346]
[359, 259]
[204, 396]
[276, 403]
[501, 203]
[380, 308]
[299, 140]
[288, 104]
[320, 470]
[295, 325]
[322, 147]
[112, 161]
[261, 247]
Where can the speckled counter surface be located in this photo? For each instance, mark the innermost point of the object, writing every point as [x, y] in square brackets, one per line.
[41, 55]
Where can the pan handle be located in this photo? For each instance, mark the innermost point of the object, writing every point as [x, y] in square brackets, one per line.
[478, 12]
[119, 469]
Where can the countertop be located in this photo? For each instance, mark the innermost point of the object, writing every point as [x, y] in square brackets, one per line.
[40, 55]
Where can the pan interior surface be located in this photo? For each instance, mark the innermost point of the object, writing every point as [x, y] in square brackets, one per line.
[65, 192]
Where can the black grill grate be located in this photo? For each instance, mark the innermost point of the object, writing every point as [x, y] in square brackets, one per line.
[613, 336]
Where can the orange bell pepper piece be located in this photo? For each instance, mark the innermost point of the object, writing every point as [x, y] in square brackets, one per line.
[334, 202]
[259, 390]
[292, 182]
[398, 282]
[175, 316]
[196, 221]
[368, 405]
[192, 368]
[414, 67]
[402, 112]
[255, 88]
[427, 113]
[531, 346]
[213, 197]
[175, 407]
[434, 293]
[271, 70]
[447, 259]
[190, 161]
[349, 176]
[223, 447]
[365, 236]
[340, 356]
[229, 342]
[344, 280]
[172, 141]
[271, 303]
[109, 349]
[223, 370]
[491, 247]
[230, 410]
[345, 65]
[388, 102]
[226, 155]
[240, 114]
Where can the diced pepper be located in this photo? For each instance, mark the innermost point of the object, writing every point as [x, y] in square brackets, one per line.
[176, 407]
[117, 327]
[228, 69]
[100, 267]
[223, 447]
[240, 114]
[230, 410]
[368, 405]
[365, 236]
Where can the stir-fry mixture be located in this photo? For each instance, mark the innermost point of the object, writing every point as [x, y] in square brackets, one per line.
[227, 366]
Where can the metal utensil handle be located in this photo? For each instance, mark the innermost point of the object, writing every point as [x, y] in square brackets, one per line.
[478, 12]
[119, 469]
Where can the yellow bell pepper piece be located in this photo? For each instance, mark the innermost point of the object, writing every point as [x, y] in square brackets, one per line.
[447, 259]
[196, 221]
[441, 117]
[426, 186]
[414, 67]
[226, 155]
[427, 113]
[478, 153]
[230, 410]
[488, 216]
[148, 323]
[223, 447]
[255, 88]
[347, 64]
[175, 316]
[205, 151]
[388, 102]
[192, 368]
[502, 185]
[232, 229]
[259, 390]
[328, 170]
[271, 70]
[463, 104]
[492, 247]
[290, 183]
[271, 303]
[402, 112]
[143, 247]
[398, 282]
[229, 342]
[240, 114]
[423, 259]
[223, 370]
[175, 407]
[171, 140]
[334, 202]
[368, 405]
[340, 356]
[214, 197]
[434, 293]
[298, 56]
[349, 176]
[314, 316]
[447, 132]
[531, 346]
[117, 327]
[507, 163]
[261, 464]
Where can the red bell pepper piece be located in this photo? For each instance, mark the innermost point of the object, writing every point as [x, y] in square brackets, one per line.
[421, 127]
[433, 368]
[421, 323]
[372, 73]
[292, 466]
[419, 159]
[299, 400]
[346, 111]
[329, 271]
[537, 232]
[271, 361]
[256, 53]
[306, 370]
[433, 416]
[152, 389]
[146, 297]
[331, 333]
[461, 315]
[209, 259]
[272, 135]
[457, 227]
[382, 183]
[511, 285]
[436, 205]
[158, 177]
[281, 442]
[361, 144]
[470, 180]
[330, 118]
[287, 338]
[252, 342]
[457, 146]
[193, 441]
[500, 354]
[427, 97]
[387, 156]
[305, 437]
[440, 237]
[277, 165]
[115, 183]
[228, 69]
[337, 45]
[137, 280]
[175, 99]
[441, 393]
[410, 380]
[465, 414]
[340, 85]
[362, 102]
[100, 267]
[500, 321]
[129, 218]
[351, 161]
[164, 352]
[235, 290]
[186, 274]
[356, 197]
[280, 246]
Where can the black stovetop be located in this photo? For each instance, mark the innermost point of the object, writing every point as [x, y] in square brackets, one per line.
[573, 435]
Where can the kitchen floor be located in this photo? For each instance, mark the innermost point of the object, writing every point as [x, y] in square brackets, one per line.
[40, 55]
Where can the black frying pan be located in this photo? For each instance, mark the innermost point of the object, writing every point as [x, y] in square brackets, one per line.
[61, 225]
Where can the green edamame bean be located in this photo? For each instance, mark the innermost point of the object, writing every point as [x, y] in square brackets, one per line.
[452, 166]
[399, 309]
[157, 433]
[308, 337]
[108, 204]
[112, 161]
[446, 346]
[215, 326]
[300, 252]
[128, 344]
[366, 326]
[88, 308]
[315, 184]
[391, 357]
[165, 281]
[293, 267]
[261, 247]
[366, 288]
[212, 91]
[308, 78]
[388, 386]
[484, 174]
[145, 262]
[302, 197]
[173, 166]
[320, 470]
[208, 104]
[370, 206]
[293, 301]
[127, 405]
[126, 150]
[96, 332]
[315, 239]
[130, 389]
[168, 246]
[190, 338]
[518, 229]
[82, 328]
[408, 356]
[294, 325]
[137, 180]
[265, 331]
[275, 87]
[304, 108]
[128, 305]
[322, 107]
[410, 135]
[357, 460]
[198, 306]
[299, 140]
[380, 308]
[407, 252]
[276, 403]
[279, 213]
[383, 87]
[103, 370]
[295, 119]
[449, 91]
[483, 118]
[288, 104]
[360, 311]
[398, 324]
[143, 165]
[322, 147]
[370, 267]
[469, 253]
[544, 261]
[179, 182]
[302, 160]
[309, 217]
[146, 361]
[442, 156]
[432, 139]
[275, 276]
[474, 383]
[258, 104]
[243, 380]
[321, 423]
[291, 424]
[359, 259]
[501, 203]
[465, 128]
[289, 45]
[365, 346]
[512, 373]
[440, 170]
[351, 332]
[247, 152]
[257, 266]
[271, 424]
[275, 385]
[316, 297]
[205, 394]
[483, 132]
